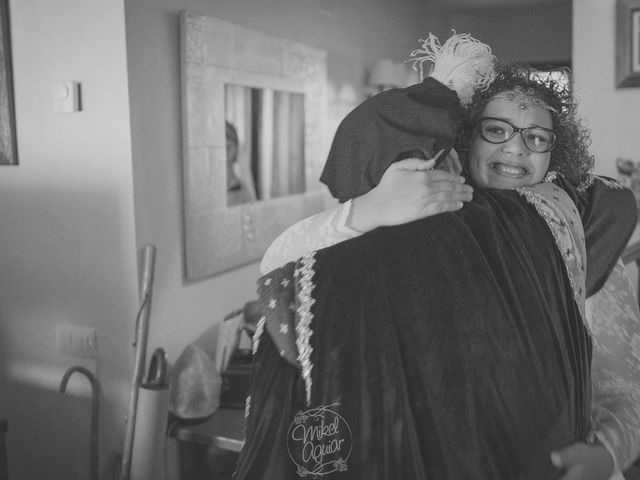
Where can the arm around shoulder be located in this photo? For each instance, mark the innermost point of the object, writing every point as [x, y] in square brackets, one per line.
[318, 231]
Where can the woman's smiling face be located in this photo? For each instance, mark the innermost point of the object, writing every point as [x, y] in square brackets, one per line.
[510, 164]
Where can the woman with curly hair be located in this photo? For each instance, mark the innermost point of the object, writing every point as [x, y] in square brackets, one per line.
[437, 329]
[569, 154]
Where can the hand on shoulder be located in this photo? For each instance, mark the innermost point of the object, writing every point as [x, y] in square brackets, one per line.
[410, 189]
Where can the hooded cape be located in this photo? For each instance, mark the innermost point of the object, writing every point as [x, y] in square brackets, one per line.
[415, 121]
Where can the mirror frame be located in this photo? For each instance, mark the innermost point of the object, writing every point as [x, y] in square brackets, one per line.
[213, 53]
[8, 140]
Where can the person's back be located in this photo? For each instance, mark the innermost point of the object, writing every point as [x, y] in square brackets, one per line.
[451, 356]
[492, 293]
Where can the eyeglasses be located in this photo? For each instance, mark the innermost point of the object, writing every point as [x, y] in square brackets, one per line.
[536, 139]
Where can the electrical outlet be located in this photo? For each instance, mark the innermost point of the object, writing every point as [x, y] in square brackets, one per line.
[77, 340]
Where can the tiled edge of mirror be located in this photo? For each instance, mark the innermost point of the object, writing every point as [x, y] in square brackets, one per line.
[215, 53]
[8, 141]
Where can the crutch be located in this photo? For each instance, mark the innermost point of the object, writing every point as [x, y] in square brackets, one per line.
[140, 344]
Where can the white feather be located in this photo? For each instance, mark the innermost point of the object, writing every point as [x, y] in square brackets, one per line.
[463, 63]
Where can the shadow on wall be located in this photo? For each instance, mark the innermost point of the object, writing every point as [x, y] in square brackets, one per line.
[3, 405]
[55, 440]
[68, 258]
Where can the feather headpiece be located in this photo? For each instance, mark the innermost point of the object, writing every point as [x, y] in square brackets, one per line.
[462, 63]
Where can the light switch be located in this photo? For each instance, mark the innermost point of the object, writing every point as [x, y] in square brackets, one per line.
[66, 97]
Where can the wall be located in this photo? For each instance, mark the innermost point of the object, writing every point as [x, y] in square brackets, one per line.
[67, 242]
[529, 34]
[353, 36]
[611, 113]
[353, 33]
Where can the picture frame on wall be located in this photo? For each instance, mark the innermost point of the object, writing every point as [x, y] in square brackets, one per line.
[627, 43]
[8, 148]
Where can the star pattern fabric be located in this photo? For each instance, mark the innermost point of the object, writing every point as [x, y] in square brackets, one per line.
[277, 301]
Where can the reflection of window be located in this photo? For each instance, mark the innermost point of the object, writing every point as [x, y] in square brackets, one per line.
[270, 131]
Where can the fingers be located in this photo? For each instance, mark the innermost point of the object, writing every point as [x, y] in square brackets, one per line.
[413, 164]
[569, 456]
[425, 167]
[444, 175]
[564, 460]
[440, 207]
[443, 196]
[410, 189]
[557, 460]
[443, 191]
[418, 163]
[430, 186]
[581, 461]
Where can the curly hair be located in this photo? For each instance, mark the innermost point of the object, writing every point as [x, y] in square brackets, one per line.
[570, 156]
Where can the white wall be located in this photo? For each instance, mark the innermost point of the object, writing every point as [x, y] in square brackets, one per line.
[611, 113]
[67, 242]
[528, 34]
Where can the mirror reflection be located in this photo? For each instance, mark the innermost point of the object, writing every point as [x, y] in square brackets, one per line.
[264, 132]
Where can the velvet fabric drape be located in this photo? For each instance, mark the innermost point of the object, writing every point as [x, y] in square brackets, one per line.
[452, 347]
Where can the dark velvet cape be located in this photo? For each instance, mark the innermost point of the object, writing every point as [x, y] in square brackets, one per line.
[453, 346]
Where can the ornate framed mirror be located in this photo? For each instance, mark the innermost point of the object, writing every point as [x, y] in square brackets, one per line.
[253, 128]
